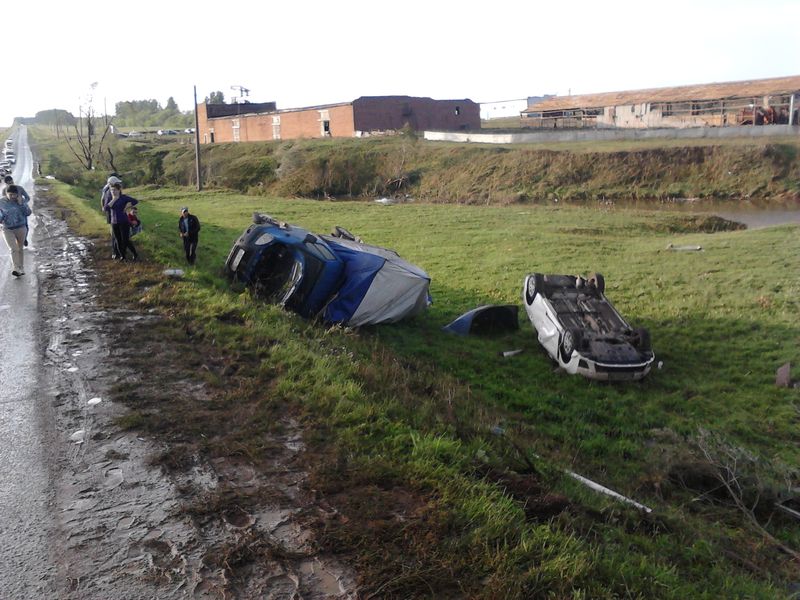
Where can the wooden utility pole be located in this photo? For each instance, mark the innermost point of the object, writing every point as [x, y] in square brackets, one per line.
[197, 143]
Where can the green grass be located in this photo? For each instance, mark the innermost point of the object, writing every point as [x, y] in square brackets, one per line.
[412, 406]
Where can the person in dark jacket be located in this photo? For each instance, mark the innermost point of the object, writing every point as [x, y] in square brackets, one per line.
[115, 206]
[24, 197]
[189, 227]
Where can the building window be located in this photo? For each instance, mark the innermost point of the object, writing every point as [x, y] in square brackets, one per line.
[235, 130]
[211, 134]
[324, 123]
[458, 110]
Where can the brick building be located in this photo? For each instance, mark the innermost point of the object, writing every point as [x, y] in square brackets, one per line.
[365, 116]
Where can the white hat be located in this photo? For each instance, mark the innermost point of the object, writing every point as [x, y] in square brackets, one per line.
[112, 180]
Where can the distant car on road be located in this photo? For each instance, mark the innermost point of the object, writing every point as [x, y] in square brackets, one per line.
[189, 130]
[582, 331]
[135, 134]
[167, 132]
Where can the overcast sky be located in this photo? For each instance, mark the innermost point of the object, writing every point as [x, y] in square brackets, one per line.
[310, 52]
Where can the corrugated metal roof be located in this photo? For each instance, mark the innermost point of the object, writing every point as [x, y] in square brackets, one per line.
[685, 93]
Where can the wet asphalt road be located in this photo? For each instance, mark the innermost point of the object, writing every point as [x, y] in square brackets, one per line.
[83, 515]
[26, 523]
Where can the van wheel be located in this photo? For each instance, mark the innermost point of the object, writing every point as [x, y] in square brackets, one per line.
[570, 341]
[598, 281]
[535, 286]
[643, 340]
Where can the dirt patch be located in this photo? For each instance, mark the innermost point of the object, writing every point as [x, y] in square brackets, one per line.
[156, 495]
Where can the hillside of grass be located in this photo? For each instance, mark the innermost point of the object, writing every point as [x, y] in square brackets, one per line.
[444, 461]
[404, 166]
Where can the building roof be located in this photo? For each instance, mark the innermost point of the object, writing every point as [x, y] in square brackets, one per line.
[238, 108]
[263, 108]
[684, 93]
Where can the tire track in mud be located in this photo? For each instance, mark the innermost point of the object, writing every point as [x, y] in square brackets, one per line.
[124, 527]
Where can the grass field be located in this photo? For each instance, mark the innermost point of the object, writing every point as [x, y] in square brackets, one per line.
[409, 407]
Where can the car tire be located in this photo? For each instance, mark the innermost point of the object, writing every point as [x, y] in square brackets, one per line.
[533, 286]
[570, 341]
[598, 281]
[643, 343]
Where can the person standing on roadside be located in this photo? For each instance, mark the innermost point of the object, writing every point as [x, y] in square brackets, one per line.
[120, 225]
[13, 217]
[189, 227]
[9, 180]
[105, 198]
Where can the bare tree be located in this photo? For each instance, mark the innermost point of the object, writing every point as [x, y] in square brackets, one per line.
[88, 143]
[741, 475]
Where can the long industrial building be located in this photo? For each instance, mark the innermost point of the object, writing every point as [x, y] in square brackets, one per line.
[754, 102]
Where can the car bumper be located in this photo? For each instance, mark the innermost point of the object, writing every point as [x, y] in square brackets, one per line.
[580, 365]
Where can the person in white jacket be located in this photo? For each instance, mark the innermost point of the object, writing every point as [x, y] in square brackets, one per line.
[14, 218]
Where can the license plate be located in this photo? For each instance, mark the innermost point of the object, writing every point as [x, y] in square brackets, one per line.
[237, 259]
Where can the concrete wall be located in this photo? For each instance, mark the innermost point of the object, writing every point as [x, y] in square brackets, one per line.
[637, 116]
[596, 135]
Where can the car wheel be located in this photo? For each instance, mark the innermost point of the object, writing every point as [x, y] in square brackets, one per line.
[570, 342]
[598, 281]
[534, 286]
[643, 343]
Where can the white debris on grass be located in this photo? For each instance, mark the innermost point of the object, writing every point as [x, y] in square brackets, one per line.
[94, 401]
[78, 436]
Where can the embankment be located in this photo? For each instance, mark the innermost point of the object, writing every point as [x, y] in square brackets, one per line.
[476, 174]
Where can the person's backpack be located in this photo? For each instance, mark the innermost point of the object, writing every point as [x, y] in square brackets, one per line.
[136, 228]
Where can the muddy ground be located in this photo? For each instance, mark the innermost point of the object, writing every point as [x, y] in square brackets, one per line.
[145, 507]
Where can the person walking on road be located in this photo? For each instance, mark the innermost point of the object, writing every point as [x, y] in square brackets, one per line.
[105, 198]
[120, 225]
[189, 227]
[9, 180]
[13, 217]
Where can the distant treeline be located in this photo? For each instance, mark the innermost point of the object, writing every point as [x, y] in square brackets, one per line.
[131, 113]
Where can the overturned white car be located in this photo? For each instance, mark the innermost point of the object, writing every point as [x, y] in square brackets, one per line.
[582, 331]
